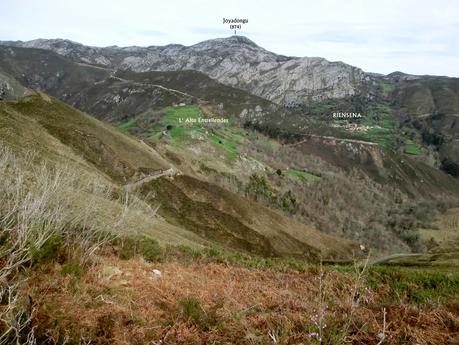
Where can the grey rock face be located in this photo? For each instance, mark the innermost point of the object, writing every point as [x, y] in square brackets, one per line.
[11, 89]
[4, 88]
[235, 61]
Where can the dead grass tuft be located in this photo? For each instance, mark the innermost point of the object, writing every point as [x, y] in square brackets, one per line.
[202, 303]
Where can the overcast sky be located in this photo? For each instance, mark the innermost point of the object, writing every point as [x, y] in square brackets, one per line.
[414, 36]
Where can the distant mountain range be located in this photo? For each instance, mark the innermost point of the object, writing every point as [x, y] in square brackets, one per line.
[235, 61]
[313, 85]
[282, 148]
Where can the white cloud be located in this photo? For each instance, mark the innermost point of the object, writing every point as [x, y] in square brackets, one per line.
[420, 37]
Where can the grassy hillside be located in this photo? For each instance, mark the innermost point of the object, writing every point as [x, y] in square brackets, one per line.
[151, 105]
[225, 217]
[429, 106]
[35, 128]
[412, 115]
[65, 135]
[443, 235]
[92, 89]
[124, 94]
[120, 157]
[427, 95]
[283, 177]
[232, 102]
[163, 231]
[74, 282]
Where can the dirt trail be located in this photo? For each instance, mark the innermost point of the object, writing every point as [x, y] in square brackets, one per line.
[113, 76]
[354, 141]
[157, 174]
[388, 258]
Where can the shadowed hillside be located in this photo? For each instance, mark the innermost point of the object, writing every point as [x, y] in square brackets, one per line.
[65, 135]
[150, 106]
[229, 205]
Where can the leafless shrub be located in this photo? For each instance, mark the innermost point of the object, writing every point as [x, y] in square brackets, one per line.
[346, 204]
[39, 202]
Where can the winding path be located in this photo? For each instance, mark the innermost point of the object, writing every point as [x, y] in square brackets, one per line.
[388, 258]
[354, 141]
[172, 171]
[157, 174]
[113, 76]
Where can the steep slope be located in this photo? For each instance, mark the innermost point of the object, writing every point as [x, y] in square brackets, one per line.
[119, 157]
[10, 88]
[90, 88]
[345, 187]
[60, 133]
[78, 285]
[117, 96]
[224, 217]
[150, 105]
[318, 86]
[430, 106]
[239, 105]
[234, 61]
[56, 141]
[406, 174]
[422, 95]
[153, 106]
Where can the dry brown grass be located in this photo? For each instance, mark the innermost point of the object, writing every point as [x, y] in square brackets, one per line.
[52, 211]
[208, 303]
[94, 297]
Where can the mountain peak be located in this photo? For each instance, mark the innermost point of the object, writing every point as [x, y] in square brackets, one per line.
[231, 41]
[236, 39]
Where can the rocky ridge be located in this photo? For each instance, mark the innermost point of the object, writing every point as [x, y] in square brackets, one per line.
[235, 61]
